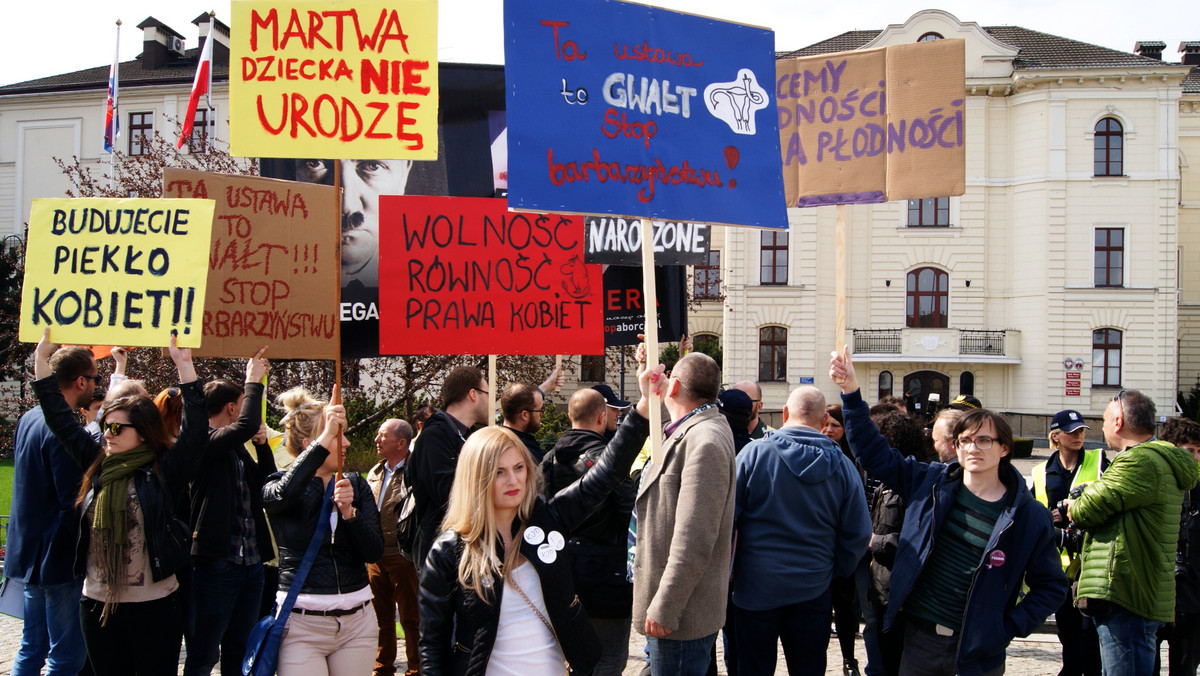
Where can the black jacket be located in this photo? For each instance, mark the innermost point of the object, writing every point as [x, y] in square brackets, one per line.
[458, 628]
[293, 500]
[155, 483]
[214, 491]
[598, 545]
[531, 443]
[430, 473]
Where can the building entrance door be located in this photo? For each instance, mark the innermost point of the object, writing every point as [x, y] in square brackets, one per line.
[918, 385]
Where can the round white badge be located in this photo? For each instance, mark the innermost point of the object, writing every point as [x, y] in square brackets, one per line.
[547, 554]
[555, 540]
[534, 535]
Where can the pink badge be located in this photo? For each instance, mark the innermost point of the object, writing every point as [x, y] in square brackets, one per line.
[996, 559]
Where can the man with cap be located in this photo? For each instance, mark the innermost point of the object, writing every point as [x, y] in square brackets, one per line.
[758, 428]
[738, 409]
[1070, 465]
[614, 406]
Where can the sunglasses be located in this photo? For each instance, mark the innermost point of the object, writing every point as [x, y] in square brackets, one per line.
[115, 428]
[97, 378]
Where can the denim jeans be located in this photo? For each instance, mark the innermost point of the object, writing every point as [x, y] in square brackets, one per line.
[225, 605]
[52, 634]
[680, 658]
[1127, 643]
[802, 628]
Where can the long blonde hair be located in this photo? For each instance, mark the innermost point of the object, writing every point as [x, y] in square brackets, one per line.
[303, 420]
[472, 514]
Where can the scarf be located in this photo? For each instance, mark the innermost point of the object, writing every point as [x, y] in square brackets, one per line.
[109, 523]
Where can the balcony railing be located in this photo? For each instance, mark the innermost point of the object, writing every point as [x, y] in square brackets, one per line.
[877, 341]
[975, 341]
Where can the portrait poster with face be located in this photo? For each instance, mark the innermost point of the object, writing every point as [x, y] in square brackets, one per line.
[470, 94]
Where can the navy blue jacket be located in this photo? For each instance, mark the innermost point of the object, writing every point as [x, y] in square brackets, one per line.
[43, 528]
[1020, 549]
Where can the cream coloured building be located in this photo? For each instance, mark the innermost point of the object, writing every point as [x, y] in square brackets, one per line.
[63, 116]
[1049, 256]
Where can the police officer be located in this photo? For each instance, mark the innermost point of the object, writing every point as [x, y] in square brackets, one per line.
[1070, 465]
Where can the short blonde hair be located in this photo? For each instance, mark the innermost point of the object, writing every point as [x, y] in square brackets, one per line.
[472, 513]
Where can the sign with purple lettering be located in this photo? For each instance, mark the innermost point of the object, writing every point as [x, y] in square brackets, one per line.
[873, 125]
[618, 108]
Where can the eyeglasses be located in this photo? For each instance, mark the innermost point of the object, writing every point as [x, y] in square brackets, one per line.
[480, 390]
[981, 443]
[97, 378]
[115, 428]
[536, 410]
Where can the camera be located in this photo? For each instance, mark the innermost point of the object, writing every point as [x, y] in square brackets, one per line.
[1069, 539]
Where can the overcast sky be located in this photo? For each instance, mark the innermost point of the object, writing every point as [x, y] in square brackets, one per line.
[40, 38]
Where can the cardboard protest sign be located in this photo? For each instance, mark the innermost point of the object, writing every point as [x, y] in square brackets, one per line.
[116, 271]
[272, 265]
[333, 79]
[466, 276]
[621, 108]
[875, 125]
[618, 241]
[624, 309]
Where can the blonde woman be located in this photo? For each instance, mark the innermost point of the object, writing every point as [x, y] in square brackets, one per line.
[497, 595]
[331, 629]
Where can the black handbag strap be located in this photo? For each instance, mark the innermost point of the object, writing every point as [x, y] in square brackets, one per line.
[310, 555]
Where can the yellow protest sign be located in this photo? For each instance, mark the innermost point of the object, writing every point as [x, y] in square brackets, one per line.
[116, 271]
[335, 79]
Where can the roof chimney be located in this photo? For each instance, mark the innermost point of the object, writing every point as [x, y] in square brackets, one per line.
[1191, 53]
[1151, 49]
[221, 35]
[160, 44]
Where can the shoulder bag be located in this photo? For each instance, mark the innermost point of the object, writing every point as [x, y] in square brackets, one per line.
[262, 646]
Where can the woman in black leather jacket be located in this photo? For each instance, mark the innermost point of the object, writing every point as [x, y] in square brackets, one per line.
[130, 546]
[496, 591]
[332, 627]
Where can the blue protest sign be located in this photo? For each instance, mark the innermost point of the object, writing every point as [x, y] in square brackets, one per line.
[617, 108]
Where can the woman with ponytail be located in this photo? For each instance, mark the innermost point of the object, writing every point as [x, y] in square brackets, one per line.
[130, 545]
[331, 629]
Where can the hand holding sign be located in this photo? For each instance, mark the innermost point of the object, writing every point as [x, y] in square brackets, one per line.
[41, 356]
[841, 370]
[183, 360]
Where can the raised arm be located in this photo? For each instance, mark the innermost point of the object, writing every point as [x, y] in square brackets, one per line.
[574, 503]
[61, 420]
[881, 461]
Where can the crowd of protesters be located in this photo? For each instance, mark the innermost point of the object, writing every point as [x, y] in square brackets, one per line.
[144, 523]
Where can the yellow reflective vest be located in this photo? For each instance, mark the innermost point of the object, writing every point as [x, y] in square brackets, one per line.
[1087, 472]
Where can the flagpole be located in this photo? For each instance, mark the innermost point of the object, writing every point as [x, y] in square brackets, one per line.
[114, 123]
[212, 17]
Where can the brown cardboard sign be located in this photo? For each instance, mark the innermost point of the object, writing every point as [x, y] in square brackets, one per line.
[273, 265]
[874, 125]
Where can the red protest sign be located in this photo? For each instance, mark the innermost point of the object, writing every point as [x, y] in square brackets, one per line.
[463, 275]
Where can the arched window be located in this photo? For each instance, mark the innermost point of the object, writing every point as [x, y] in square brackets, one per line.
[928, 298]
[966, 383]
[885, 384]
[930, 37]
[772, 354]
[1109, 148]
[1106, 358]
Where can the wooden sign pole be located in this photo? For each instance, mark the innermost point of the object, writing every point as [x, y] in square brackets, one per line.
[491, 390]
[337, 363]
[557, 369]
[650, 303]
[839, 339]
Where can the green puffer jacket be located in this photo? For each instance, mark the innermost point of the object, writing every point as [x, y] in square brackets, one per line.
[1131, 515]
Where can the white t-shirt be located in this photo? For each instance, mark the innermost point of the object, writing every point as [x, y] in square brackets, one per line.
[524, 646]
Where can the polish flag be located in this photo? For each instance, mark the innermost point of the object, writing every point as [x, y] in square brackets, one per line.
[201, 86]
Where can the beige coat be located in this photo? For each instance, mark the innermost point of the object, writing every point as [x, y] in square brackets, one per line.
[685, 527]
[388, 498]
